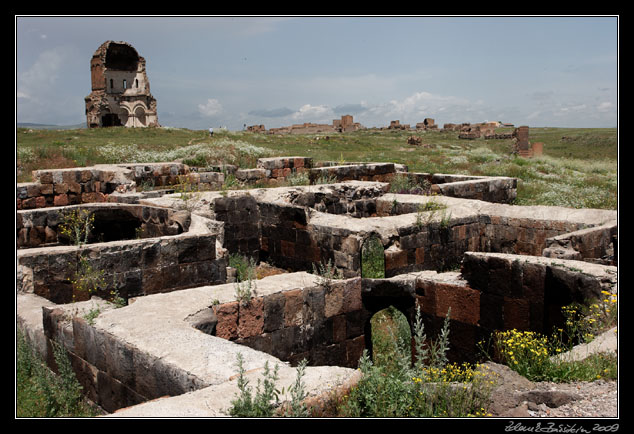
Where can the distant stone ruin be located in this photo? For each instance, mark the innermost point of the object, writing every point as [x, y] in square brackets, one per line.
[345, 124]
[120, 89]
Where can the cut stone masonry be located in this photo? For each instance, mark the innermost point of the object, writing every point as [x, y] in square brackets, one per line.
[175, 344]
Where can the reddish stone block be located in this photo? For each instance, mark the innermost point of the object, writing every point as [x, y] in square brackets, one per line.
[427, 300]
[420, 255]
[61, 188]
[60, 200]
[395, 259]
[251, 318]
[288, 248]
[516, 314]
[93, 197]
[40, 202]
[264, 244]
[74, 187]
[463, 301]
[46, 189]
[227, 326]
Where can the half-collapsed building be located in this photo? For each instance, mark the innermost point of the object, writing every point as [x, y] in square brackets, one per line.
[458, 245]
[120, 89]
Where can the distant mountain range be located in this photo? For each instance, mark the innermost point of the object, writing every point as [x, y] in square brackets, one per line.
[49, 127]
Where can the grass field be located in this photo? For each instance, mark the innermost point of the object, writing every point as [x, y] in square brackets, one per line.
[578, 168]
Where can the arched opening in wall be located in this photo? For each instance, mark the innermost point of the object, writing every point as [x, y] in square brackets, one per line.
[372, 258]
[110, 120]
[121, 57]
[139, 113]
[398, 304]
[391, 338]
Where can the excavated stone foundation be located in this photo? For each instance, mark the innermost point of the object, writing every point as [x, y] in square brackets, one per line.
[172, 349]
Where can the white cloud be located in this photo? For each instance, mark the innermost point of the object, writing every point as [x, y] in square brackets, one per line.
[313, 113]
[604, 106]
[419, 105]
[211, 108]
[43, 74]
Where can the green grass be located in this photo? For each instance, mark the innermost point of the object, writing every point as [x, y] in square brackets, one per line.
[578, 168]
[40, 392]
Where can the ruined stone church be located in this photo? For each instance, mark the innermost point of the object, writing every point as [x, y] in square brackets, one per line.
[120, 89]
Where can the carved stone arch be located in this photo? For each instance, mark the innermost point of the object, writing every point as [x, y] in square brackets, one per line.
[140, 111]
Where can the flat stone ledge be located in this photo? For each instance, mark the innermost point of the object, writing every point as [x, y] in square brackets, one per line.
[320, 382]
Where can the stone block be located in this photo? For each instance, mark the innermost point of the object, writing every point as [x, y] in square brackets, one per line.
[227, 326]
[352, 295]
[334, 300]
[339, 328]
[463, 301]
[395, 259]
[354, 351]
[274, 305]
[314, 304]
[516, 314]
[294, 302]
[251, 318]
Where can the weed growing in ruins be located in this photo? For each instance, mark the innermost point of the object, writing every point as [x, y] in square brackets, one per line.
[297, 407]
[426, 212]
[265, 402]
[326, 179]
[584, 322]
[540, 358]
[245, 267]
[188, 191]
[245, 290]
[88, 280]
[76, 225]
[298, 178]
[429, 387]
[41, 393]
[403, 184]
[326, 273]
[245, 285]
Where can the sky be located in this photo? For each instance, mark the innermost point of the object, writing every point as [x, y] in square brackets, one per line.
[231, 71]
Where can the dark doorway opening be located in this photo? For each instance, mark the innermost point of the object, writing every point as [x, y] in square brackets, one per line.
[110, 120]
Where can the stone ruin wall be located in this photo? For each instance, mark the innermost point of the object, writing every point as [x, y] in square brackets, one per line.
[167, 259]
[327, 326]
[330, 325]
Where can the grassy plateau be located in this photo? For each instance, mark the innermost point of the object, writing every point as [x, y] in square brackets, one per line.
[578, 168]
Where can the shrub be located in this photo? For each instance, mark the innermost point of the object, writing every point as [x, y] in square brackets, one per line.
[41, 393]
[428, 387]
[76, 225]
[536, 356]
[265, 402]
